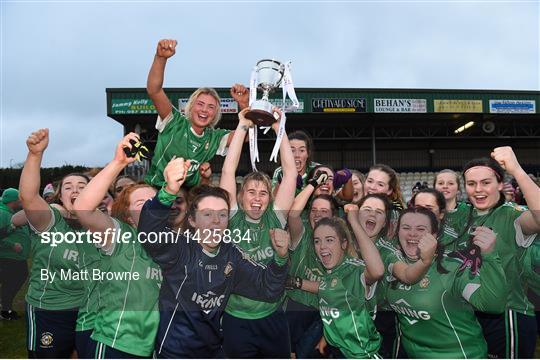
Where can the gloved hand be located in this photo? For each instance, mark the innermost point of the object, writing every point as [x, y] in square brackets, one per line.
[318, 178]
[138, 149]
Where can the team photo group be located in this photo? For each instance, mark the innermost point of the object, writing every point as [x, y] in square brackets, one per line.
[312, 262]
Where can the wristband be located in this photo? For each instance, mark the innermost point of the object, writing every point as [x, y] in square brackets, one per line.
[165, 197]
[280, 261]
[294, 282]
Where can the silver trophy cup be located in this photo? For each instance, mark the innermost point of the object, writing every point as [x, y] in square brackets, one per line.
[269, 76]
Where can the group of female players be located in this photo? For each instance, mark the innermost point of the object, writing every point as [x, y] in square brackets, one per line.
[313, 263]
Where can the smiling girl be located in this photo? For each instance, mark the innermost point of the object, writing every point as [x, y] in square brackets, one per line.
[345, 289]
[436, 315]
[55, 308]
[512, 334]
[253, 328]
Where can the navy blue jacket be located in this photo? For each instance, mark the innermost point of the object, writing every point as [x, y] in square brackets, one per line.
[196, 286]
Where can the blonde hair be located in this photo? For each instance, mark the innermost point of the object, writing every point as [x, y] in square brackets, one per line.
[205, 91]
[259, 177]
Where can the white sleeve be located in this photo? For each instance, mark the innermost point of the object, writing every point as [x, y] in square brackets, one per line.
[522, 239]
[223, 148]
[233, 210]
[369, 289]
[469, 289]
[109, 249]
[298, 242]
[49, 227]
[281, 217]
[161, 124]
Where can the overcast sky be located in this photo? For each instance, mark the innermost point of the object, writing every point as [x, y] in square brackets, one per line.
[58, 57]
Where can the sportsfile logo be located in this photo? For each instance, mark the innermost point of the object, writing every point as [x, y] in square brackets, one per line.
[404, 308]
[207, 301]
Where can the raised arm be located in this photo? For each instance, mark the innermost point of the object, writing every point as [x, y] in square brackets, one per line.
[413, 273]
[529, 220]
[228, 173]
[241, 95]
[154, 85]
[155, 213]
[36, 208]
[374, 265]
[285, 194]
[87, 202]
[295, 223]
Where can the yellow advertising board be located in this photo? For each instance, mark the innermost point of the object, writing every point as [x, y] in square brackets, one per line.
[459, 106]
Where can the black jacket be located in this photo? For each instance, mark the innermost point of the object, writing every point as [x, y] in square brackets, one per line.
[197, 285]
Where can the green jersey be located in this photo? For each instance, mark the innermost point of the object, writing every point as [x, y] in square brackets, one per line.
[454, 227]
[389, 256]
[177, 138]
[129, 283]
[258, 248]
[305, 264]
[89, 259]
[278, 175]
[502, 221]
[55, 280]
[436, 315]
[16, 242]
[530, 261]
[344, 311]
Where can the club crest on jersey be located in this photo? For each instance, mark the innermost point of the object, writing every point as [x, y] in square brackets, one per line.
[46, 339]
[206, 146]
[333, 283]
[228, 269]
[424, 283]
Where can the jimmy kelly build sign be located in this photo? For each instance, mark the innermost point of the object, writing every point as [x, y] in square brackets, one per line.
[339, 105]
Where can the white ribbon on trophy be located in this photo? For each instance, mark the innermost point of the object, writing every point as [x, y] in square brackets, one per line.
[288, 89]
[262, 109]
[252, 132]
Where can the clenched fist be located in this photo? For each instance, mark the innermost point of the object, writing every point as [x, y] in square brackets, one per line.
[427, 246]
[38, 141]
[505, 156]
[166, 48]
[175, 174]
[280, 241]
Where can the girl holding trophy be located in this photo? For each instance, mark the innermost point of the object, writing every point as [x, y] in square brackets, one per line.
[252, 328]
